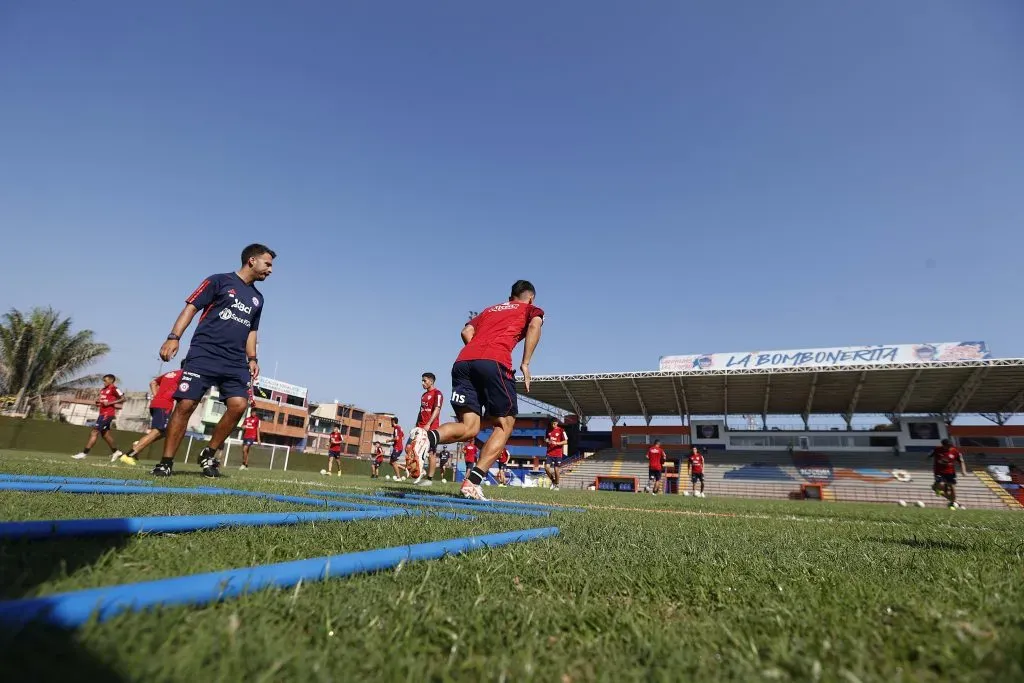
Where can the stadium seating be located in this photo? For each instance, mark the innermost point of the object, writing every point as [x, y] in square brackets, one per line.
[846, 476]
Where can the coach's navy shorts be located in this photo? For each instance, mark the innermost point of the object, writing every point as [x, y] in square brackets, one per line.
[104, 424]
[230, 382]
[484, 387]
[158, 418]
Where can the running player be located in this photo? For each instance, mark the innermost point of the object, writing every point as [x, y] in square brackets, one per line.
[222, 354]
[483, 383]
[429, 418]
[334, 451]
[444, 461]
[555, 439]
[162, 390]
[250, 434]
[470, 453]
[655, 463]
[696, 460]
[946, 457]
[396, 450]
[109, 400]
[503, 467]
[378, 458]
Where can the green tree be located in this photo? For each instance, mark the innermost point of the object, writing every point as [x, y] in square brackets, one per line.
[40, 355]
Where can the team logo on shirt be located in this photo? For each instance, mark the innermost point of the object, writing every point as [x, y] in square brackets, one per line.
[255, 301]
[231, 292]
[183, 386]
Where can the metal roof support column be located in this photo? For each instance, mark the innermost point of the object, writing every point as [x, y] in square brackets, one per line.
[725, 401]
[607, 405]
[806, 415]
[643, 406]
[904, 400]
[572, 399]
[851, 408]
[964, 393]
[764, 409]
[1015, 405]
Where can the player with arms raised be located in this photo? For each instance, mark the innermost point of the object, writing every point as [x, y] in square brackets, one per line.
[483, 382]
[222, 354]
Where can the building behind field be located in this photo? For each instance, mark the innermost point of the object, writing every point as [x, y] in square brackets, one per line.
[282, 407]
[361, 430]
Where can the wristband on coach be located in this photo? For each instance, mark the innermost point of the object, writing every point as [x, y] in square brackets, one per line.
[173, 337]
[253, 359]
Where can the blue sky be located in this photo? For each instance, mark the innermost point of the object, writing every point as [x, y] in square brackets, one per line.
[675, 177]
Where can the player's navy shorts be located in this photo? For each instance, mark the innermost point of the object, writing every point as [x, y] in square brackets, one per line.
[230, 382]
[443, 460]
[395, 455]
[333, 454]
[697, 476]
[158, 418]
[554, 461]
[945, 478]
[502, 466]
[654, 474]
[248, 442]
[104, 424]
[484, 387]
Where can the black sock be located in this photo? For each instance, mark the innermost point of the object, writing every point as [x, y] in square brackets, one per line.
[86, 450]
[477, 475]
[166, 461]
[434, 437]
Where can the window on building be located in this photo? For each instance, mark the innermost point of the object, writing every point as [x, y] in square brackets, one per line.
[357, 415]
[280, 418]
[265, 415]
[295, 400]
[355, 432]
[296, 421]
[342, 411]
[352, 449]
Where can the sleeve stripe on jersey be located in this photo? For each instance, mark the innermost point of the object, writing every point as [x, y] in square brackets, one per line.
[199, 290]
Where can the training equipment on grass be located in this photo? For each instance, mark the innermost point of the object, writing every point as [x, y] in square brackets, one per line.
[124, 526]
[40, 487]
[450, 504]
[71, 610]
[486, 503]
[40, 479]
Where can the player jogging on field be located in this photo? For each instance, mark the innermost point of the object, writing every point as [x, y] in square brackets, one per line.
[503, 467]
[250, 434]
[946, 457]
[378, 458]
[222, 354]
[397, 449]
[696, 460]
[429, 417]
[470, 454]
[334, 451]
[655, 464]
[162, 390]
[555, 439]
[483, 383]
[109, 400]
[444, 461]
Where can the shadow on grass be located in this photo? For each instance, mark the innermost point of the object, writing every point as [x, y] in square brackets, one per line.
[929, 544]
[25, 565]
[43, 653]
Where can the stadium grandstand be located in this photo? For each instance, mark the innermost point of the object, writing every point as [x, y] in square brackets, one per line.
[886, 408]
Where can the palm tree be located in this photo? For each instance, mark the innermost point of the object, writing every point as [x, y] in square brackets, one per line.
[40, 355]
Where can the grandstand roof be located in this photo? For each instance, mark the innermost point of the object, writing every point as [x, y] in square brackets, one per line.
[946, 387]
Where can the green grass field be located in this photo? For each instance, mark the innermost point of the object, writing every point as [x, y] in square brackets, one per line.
[637, 588]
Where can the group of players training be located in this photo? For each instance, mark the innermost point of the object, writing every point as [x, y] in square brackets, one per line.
[223, 354]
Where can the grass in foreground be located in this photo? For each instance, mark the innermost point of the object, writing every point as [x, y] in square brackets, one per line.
[668, 588]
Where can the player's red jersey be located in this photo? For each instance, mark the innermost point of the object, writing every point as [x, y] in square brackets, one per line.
[556, 435]
[166, 385]
[399, 437]
[497, 331]
[378, 456]
[431, 399]
[471, 452]
[696, 463]
[251, 427]
[655, 455]
[336, 442]
[503, 458]
[109, 394]
[946, 460]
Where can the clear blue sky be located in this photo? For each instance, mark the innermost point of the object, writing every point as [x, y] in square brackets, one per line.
[674, 177]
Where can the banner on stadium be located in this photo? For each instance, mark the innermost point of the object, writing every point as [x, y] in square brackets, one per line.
[281, 387]
[827, 358]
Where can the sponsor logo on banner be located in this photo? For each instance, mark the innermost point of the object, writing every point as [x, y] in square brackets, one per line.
[830, 357]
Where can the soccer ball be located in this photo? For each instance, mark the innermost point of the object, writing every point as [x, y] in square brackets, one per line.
[901, 503]
[686, 493]
[920, 503]
[387, 476]
[323, 471]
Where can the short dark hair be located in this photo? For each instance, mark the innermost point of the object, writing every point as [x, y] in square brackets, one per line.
[110, 376]
[657, 441]
[430, 376]
[522, 287]
[947, 442]
[394, 420]
[256, 249]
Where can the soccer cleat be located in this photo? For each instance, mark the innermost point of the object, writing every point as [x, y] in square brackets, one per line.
[208, 461]
[243, 467]
[115, 455]
[471, 490]
[163, 469]
[78, 456]
[129, 460]
[419, 444]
